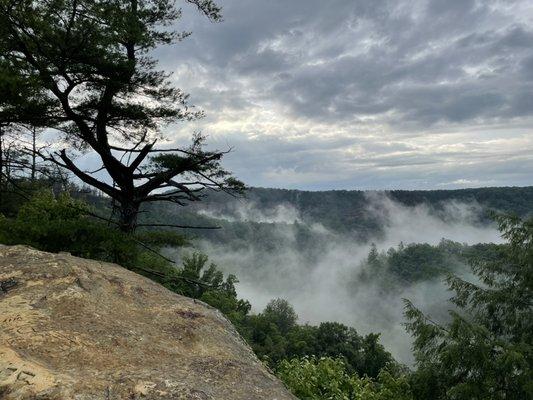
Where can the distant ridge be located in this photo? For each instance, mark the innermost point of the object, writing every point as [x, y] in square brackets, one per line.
[511, 199]
[355, 212]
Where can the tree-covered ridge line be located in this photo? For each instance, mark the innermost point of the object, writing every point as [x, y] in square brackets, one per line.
[505, 199]
[357, 213]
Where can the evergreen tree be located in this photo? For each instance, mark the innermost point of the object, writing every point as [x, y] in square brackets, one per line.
[84, 69]
[373, 255]
[486, 350]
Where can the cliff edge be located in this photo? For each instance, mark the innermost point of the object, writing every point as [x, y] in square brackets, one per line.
[72, 328]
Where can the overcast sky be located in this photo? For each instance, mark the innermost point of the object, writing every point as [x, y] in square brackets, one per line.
[364, 94]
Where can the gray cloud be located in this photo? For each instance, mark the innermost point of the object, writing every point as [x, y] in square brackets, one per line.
[374, 77]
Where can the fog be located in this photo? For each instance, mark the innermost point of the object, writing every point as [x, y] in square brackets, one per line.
[323, 288]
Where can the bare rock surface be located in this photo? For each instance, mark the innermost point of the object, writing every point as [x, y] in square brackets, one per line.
[78, 329]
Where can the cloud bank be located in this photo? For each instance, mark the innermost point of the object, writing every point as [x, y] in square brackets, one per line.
[364, 94]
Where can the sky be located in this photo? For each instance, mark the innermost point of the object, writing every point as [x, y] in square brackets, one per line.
[363, 94]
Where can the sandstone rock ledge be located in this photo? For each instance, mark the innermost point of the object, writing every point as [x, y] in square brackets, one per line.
[78, 329]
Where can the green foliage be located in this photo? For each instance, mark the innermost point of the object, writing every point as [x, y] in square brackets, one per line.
[311, 378]
[17, 192]
[282, 314]
[418, 262]
[61, 224]
[486, 350]
[361, 354]
[328, 378]
[200, 280]
[430, 262]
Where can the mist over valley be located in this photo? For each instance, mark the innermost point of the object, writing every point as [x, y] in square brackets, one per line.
[301, 247]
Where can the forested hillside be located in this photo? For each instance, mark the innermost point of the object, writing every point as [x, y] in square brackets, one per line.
[359, 214]
[336, 205]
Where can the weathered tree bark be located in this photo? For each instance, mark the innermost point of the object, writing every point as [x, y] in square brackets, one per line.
[128, 216]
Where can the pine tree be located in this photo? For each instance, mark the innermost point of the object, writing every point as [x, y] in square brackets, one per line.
[486, 350]
[83, 68]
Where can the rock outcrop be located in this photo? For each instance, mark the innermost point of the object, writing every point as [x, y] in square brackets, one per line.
[72, 328]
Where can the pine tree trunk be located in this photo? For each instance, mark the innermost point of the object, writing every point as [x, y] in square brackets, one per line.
[34, 154]
[128, 216]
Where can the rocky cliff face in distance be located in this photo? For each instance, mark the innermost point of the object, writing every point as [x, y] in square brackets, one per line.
[72, 328]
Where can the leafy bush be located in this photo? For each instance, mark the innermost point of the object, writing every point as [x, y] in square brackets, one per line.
[313, 378]
[62, 224]
[66, 224]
